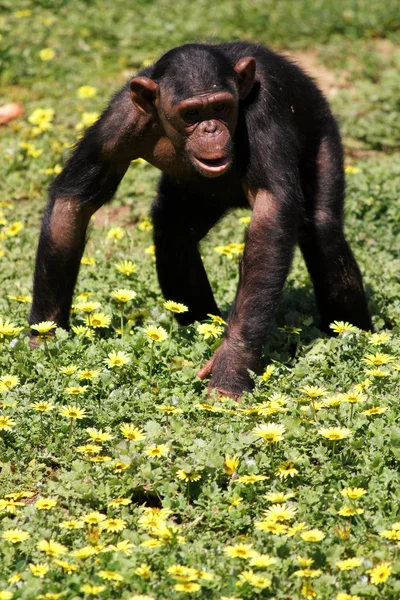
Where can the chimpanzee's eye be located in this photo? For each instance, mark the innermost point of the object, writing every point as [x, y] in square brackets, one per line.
[219, 108]
[192, 113]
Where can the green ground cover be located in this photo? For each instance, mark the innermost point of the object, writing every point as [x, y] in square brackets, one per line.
[119, 477]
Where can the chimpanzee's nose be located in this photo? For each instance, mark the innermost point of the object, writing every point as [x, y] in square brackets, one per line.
[208, 127]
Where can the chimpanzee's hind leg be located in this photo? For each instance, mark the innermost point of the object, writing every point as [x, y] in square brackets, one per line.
[335, 274]
[180, 222]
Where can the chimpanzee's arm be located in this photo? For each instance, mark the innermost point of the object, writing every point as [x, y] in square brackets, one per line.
[266, 263]
[89, 179]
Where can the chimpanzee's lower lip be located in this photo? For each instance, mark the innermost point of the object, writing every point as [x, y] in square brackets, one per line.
[214, 166]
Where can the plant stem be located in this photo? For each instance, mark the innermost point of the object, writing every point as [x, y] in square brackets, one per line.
[122, 324]
[151, 359]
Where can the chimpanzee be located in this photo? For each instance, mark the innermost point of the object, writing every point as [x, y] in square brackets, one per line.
[229, 125]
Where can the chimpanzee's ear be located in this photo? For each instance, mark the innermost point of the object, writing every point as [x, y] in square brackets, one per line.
[143, 94]
[246, 69]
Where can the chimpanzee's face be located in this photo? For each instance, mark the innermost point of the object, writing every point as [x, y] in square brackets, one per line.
[200, 117]
[202, 128]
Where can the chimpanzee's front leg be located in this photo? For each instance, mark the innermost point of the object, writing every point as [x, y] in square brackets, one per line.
[89, 179]
[266, 263]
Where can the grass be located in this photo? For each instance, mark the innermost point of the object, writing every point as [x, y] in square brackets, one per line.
[178, 504]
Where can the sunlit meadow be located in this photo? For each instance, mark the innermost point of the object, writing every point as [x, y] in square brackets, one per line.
[120, 478]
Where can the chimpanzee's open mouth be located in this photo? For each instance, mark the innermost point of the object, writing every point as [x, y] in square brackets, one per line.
[213, 165]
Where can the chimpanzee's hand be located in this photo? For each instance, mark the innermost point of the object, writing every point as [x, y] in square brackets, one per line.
[229, 370]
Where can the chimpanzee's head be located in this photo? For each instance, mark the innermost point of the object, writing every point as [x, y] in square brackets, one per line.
[194, 94]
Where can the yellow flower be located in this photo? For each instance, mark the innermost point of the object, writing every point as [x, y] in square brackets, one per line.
[6, 423]
[87, 307]
[378, 359]
[270, 432]
[234, 502]
[22, 299]
[159, 450]
[185, 475]
[380, 573]
[97, 320]
[376, 339]
[150, 250]
[88, 374]
[110, 575]
[85, 552]
[304, 561]
[47, 54]
[44, 327]
[87, 260]
[352, 170]
[250, 479]
[231, 464]
[307, 590]
[209, 330]
[263, 560]
[14, 536]
[71, 524]
[312, 535]
[349, 511]
[175, 307]
[21, 14]
[97, 435]
[349, 563]
[286, 469]
[89, 449]
[268, 373]
[8, 329]
[240, 551]
[46, 503]
[76, 390]
[70, 370]
[87, 119]
[271, 527]
[157, 334]
[73, 412]
[124, 546]
[43, 406]
[132, 433]
[145, 225]
[41, 117]
[116, 234]
[120, 502]
[353, 493]
[377, 373]
[51, 547]
[376, 410]
[169, 410]
[86, 91]
[94, 518]
[244, 220]
[278, 496]
[313, 391]
[123, 295]
[335, 433]
[342, 327]
[10, 505]
[120, 466]
[257, 581]
[280, 512]
[38, 569]
[354, 397]
[308, 573]
[117, 359]
[187, 586]
[114, 525]
[144, 571]
[344, 596]
[126, 267]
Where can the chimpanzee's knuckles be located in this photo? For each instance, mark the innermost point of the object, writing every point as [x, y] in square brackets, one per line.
[34, 342]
